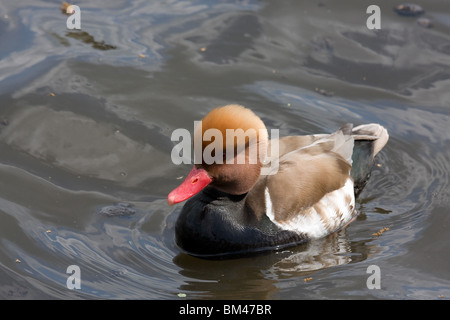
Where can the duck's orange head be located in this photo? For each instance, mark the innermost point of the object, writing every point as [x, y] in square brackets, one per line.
[233, 144]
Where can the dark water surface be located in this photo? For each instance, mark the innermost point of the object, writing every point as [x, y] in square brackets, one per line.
[86, 118]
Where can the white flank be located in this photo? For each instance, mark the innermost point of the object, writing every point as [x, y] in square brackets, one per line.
[335, 213]
[269, 211]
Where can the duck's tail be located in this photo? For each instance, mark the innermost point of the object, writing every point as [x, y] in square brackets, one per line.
[369, 140]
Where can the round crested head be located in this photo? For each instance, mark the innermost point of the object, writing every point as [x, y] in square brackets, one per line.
[230, 145]
[233, 145]
[235, 125]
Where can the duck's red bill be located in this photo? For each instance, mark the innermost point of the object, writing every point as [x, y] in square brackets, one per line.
[196, 180]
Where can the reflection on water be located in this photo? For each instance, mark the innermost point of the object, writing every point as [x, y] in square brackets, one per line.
[324, 253]
[86, 118]
[259, 276]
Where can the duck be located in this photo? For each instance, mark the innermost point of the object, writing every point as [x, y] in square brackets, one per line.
[269, 194]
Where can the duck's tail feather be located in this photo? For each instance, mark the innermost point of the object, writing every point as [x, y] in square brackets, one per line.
[343, 142]
[369, 140]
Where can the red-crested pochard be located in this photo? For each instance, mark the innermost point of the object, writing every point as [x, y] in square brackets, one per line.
[307, 189]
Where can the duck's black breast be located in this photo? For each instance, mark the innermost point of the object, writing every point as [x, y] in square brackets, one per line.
[214, 223]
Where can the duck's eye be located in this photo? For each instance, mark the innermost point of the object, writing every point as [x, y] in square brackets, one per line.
[195, 180]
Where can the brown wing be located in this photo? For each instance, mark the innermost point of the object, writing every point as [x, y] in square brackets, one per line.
[315, 166]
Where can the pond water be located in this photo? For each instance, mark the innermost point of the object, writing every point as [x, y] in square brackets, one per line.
[86, 118]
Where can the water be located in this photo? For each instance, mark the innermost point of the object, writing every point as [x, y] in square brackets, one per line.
[86, 118]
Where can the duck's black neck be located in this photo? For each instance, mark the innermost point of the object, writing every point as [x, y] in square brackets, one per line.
[214, 194]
